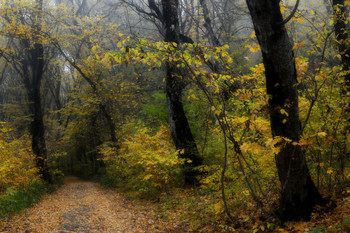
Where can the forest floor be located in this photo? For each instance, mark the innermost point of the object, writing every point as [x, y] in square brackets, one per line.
[82, 206]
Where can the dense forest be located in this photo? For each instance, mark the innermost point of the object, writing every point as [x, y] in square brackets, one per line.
[231, 115]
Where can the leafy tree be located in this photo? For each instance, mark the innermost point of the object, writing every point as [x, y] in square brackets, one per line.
[28, 58]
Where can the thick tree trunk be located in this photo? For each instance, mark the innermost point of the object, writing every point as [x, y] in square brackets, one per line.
[298, 193]
[37, 128]
[179, 127]
[37, 131]
[340, 15]
[342, 36]
[33, 69]
[32, 79]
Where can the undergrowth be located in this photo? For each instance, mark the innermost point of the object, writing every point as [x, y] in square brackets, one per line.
[20, 183]
[146, 165]
[15, 199]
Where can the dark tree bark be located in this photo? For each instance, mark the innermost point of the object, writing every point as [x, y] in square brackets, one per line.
[298, 193]
[342, 38]
[33, 71]
[340, 14]
[110, 123]
[179, 127]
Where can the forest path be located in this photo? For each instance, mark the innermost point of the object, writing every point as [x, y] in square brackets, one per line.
[84, 207]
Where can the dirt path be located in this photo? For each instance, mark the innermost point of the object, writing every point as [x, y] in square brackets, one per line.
[84, 207]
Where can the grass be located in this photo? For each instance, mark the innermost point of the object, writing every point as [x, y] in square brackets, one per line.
[15, 199]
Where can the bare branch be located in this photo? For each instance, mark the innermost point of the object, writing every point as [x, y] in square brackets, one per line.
[286, 20]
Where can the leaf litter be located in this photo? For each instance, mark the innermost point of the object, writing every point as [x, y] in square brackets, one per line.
[82, 206]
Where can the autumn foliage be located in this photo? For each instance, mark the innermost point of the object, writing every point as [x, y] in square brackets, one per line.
[20, 183]
[17, 168]
[146, 164]
[106, 116]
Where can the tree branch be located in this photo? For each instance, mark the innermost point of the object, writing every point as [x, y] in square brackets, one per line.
[286, 20]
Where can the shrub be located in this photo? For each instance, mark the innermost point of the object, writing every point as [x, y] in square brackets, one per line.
[146, 164]
[17, 167]
[20, 184]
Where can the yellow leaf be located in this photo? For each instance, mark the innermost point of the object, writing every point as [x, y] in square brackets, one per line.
[253, 34]
[330, 171]
[254, 48]
[284, 112]
[93, 49]
[218, 208]
[322, 134]
[300, 20]
[298, 45]
[147, 177]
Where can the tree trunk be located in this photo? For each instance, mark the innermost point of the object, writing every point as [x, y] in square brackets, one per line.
[33, 69]
[37, 131]
[111, 124]
[340, 15]
[179, 127]
[37, 126]
[342, 37]
[298, 193]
